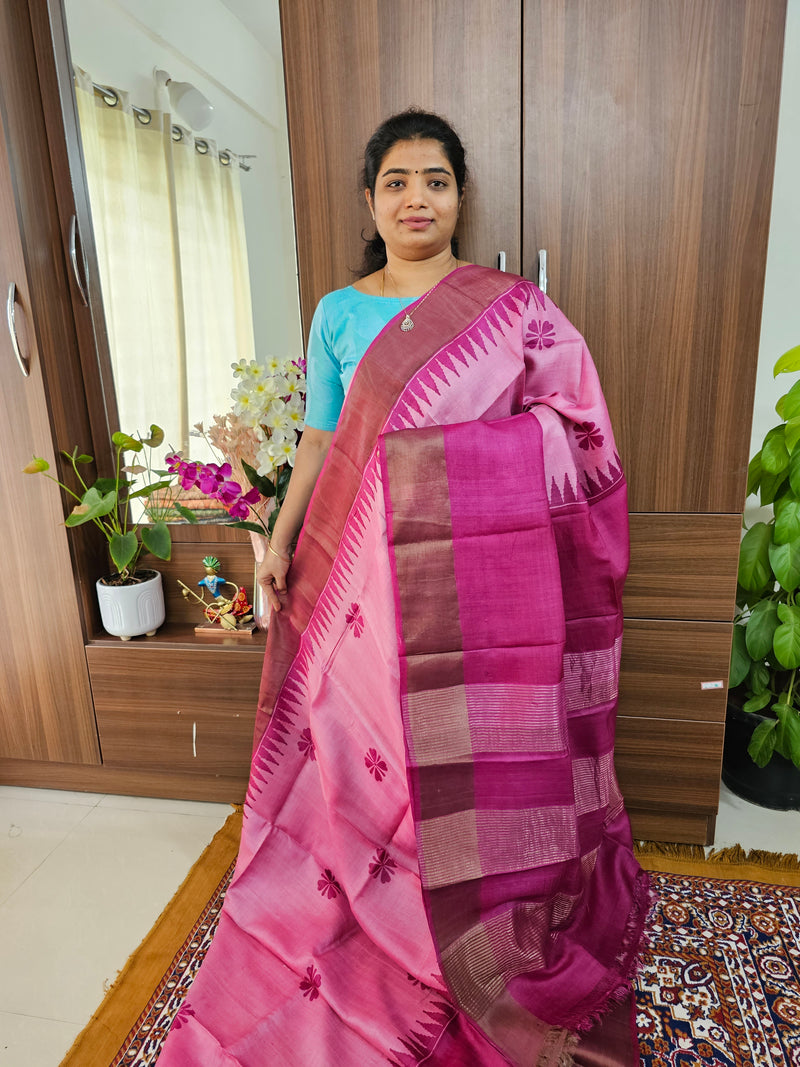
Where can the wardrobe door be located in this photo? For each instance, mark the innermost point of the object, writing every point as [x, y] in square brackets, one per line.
[46, 710]
[352, 63]
[649, 147]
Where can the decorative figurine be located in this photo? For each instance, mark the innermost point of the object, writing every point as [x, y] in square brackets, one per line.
[231, 614]
[212, 580]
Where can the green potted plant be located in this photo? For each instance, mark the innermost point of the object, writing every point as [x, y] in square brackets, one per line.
[131, 599]
[761, 761]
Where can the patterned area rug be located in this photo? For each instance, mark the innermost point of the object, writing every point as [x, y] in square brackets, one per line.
[719, 986]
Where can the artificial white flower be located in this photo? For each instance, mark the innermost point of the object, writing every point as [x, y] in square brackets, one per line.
[283, 451]
[294, 417]
[296, 385]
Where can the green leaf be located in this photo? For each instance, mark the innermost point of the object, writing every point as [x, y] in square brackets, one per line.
[740, 660]
[787, 519]
[789, 361]
[774, 454]
[108, 485]
[36, 466]
[791, 405]
[272, 520]
[264, 485]
[93, 505]
[185, 513]
[771, 487]
[779, 405]
[758, 678]
[126, 442]
[156, 437]
[793, 433]
[123, 548]
[785, 562]
[284, 475]
[790, 721]
[754, 474]
[146, 490]
[761, 628]
[758, 702]
[157, 539]
[242, 525]
[754, 568]
[786, 640]
[762, 743]
[794, 472]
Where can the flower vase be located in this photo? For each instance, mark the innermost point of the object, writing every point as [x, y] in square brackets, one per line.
[261, 609]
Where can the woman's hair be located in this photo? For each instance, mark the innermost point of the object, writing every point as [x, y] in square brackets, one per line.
[414, 124]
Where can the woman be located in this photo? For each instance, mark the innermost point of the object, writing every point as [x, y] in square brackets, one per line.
[436, 865]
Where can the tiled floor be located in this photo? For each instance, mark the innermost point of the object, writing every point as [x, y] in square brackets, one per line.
[83, 878]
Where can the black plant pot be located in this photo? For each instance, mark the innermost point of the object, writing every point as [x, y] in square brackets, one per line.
[775, 786]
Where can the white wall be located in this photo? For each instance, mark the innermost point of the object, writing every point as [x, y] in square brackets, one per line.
[119, 42]
[780, 323]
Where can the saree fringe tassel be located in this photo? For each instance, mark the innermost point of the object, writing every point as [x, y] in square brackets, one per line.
[137, 984]
[756, 865]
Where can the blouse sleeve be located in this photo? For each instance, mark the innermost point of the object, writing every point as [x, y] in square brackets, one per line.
[324, 390]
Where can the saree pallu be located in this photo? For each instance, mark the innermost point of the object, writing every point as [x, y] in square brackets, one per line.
[436, 865]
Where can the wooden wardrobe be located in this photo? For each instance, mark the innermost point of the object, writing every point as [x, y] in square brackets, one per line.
[634, 141]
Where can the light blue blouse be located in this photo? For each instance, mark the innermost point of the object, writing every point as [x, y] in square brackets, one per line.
[345, 324]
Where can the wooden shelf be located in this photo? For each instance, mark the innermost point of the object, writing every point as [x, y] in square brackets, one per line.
[181, 635]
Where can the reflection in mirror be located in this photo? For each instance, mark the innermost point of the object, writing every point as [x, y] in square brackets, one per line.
[193, 230]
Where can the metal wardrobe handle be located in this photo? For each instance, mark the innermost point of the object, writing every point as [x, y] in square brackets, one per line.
[73, 258]
[12, 329]
[543, 270]
[501, 261]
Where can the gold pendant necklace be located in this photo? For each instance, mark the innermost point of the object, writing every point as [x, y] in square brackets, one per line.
[408, 323]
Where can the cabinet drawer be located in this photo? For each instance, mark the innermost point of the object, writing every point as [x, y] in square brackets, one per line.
[185, 711]
[683, 566]
[665, 765]
[664, 665]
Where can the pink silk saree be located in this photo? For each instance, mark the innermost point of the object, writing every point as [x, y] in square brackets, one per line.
[436, 865]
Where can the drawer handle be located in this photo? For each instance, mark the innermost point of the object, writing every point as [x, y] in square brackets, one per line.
[194, 739]
[12, 329]
[73, 258]
[543, 270]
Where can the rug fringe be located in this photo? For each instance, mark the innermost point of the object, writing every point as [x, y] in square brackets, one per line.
[693, 853]
[778, 861]
[756, 857]
[732, 863]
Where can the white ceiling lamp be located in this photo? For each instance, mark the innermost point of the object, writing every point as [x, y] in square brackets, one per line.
[195, 110]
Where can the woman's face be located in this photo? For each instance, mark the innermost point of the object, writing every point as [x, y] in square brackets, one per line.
[416, 200]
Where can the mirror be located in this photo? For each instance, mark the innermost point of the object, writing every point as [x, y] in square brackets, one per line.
[172, 342]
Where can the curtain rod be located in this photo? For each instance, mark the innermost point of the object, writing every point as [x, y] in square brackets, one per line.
[111, 97]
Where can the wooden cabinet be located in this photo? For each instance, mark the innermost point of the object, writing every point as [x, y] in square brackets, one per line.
[45, 701]
[352, 63]
[643, 137]
[79, 710]
[189, 714]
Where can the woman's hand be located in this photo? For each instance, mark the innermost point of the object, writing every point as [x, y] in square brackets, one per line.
[274, 567]
[272, 571]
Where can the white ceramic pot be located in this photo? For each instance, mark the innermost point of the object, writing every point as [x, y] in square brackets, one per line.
[130, 610]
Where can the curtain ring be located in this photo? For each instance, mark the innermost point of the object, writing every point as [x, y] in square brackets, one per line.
[201, 146]
[110, 98]
[143, 115]
[177, 134]
[225, 159]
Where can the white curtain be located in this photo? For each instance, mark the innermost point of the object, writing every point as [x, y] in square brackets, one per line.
[167, 219]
